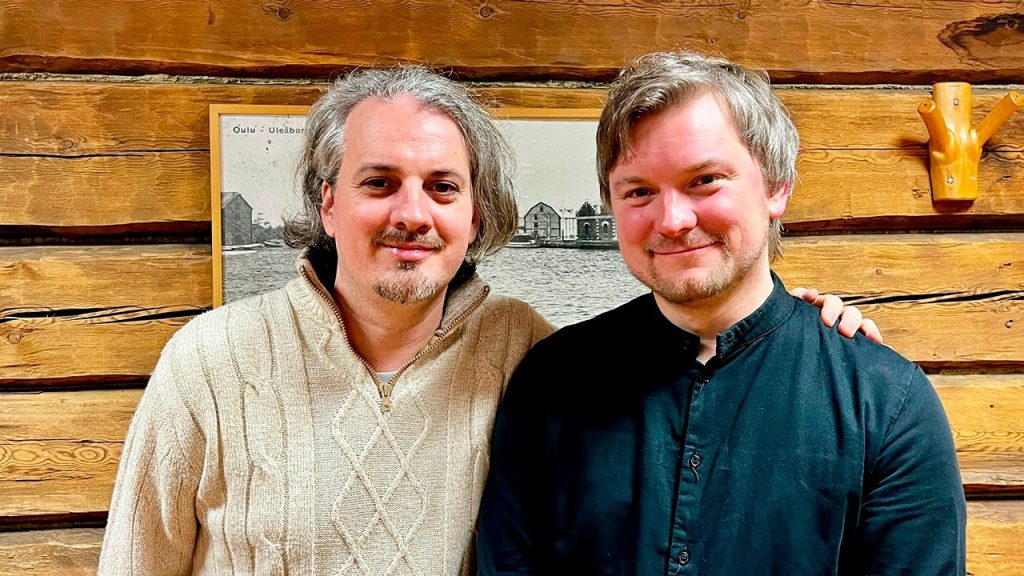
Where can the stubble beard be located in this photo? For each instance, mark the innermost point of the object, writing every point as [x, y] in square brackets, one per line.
[714, 284]
[407, 285]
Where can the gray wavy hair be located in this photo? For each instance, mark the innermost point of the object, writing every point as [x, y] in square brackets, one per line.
[491, 160]
[654, 82]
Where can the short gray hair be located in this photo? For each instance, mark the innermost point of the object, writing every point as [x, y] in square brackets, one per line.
[490, 158]
[655, 82]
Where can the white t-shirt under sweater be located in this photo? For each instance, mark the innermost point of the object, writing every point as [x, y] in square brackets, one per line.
[260, 445]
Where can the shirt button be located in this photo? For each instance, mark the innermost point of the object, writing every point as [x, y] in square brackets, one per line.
[703, 379]
[684, 557]
[695, 460]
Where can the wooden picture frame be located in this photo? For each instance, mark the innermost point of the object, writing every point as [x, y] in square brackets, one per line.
[555, 149]
[266, 148]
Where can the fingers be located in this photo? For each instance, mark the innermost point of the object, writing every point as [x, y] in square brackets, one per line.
[831, 309]
[851, 321]
[806, 294]
[870, 329]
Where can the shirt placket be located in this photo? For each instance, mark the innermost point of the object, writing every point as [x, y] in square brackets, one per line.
[684, 546]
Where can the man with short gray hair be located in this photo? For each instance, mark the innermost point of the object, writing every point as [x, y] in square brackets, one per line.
[714, 426]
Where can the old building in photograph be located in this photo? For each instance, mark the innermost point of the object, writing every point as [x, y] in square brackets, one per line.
[236, 219]
[597, 227]
[542, 222]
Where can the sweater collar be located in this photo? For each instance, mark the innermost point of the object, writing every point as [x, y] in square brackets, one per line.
[465, 293]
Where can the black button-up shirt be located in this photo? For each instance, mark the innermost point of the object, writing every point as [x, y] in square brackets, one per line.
[794, 451]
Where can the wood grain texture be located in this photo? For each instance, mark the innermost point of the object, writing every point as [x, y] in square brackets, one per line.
[141, 151]
[986, 414]
[59, 450]
[818, 41]
[103, 313]
[145, 276]
[98, 313]
[994, 532]
[884, 268]
[119, 190]
[59, 552]
[76, 119]
[940, 299]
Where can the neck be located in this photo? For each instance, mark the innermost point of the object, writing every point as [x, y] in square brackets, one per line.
[387, 334]
[708, 317]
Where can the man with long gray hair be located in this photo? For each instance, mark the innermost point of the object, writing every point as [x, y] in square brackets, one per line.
[722, 429]
[340, 425]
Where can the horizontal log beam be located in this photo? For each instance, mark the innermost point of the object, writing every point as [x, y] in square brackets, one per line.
[986, 413]
[142, 152]
[103, 313]
[98, 313]
[994, 532]
[82, 118]
[848, 42]
[123, 190]
[995, 529]
[57, 552]
[59, 450]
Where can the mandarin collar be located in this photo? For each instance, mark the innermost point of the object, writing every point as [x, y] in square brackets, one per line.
[769, 316]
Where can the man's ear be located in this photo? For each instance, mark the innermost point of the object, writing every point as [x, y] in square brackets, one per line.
[778, 200]
[476, 225]
[327, 208]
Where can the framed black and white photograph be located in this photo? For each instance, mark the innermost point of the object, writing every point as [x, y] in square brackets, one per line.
[254, 151]
[563, 259]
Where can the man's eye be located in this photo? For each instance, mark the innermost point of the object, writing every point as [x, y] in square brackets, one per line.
[706, 179]
[638, 193]
[444, 188]
[376, 183]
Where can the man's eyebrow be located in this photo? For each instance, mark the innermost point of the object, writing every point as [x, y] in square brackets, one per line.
[712, 163]
[448, 173]
[627, 180]
[389, 168]
[375, 168]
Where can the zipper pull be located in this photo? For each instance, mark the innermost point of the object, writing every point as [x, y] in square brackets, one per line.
[385, 397]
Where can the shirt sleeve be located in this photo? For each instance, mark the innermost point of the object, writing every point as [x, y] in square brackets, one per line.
[151, 527]
[913, 517]
[507, 539]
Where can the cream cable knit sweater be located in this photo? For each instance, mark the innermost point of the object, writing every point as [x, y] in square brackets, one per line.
[260, 446]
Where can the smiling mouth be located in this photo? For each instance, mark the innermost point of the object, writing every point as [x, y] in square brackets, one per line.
[409, 251]
[408, 247]
[679, 250]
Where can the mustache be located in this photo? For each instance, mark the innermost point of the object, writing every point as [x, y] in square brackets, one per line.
[399, 237]
[686, 242]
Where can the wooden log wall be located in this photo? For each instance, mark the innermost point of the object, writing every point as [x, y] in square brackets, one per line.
[105, 211]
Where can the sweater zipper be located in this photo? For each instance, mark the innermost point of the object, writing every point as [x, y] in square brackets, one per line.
[384, 390]
[439, 335]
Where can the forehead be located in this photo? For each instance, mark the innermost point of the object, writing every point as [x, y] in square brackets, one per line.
[403, 125]
[705, 115]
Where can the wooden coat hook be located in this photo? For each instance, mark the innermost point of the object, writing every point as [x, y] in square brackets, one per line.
[954, 147]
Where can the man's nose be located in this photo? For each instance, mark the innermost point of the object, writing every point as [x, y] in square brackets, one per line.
[677, 213]
[411, 211]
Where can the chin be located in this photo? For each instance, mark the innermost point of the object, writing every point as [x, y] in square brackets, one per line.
[407, 287]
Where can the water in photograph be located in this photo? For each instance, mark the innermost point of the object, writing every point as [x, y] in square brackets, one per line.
[251, 272]
[565, 285]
